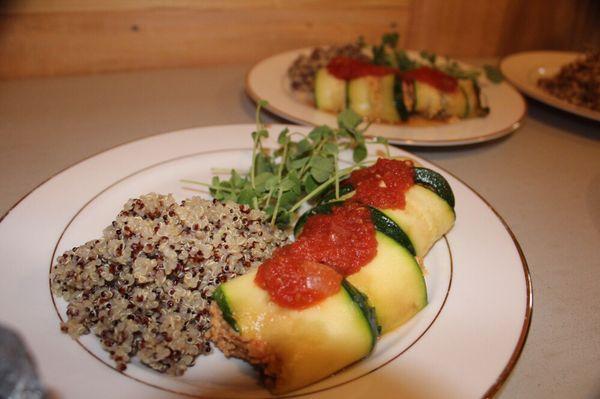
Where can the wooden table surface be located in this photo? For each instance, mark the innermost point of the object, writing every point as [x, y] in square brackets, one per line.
[544, 180]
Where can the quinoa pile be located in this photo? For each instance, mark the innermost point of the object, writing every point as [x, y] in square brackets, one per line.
[577, 82]
[303, 70]
[144, 288]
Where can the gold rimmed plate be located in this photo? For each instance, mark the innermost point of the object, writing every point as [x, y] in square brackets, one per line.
[525, 69]
[268, 80]
[478, 285]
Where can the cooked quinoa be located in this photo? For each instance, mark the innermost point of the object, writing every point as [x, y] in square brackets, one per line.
[144, 288]
[577, 82]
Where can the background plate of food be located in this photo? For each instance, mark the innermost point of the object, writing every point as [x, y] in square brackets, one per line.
[411, 98]
[566, 80]
[478, 286]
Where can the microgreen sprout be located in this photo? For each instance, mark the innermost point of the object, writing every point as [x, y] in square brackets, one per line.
[299, 169]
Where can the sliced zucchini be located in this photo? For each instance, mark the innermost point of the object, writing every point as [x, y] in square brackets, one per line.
[425, 218]
[393, 281]
[408, 95]
[330, 92]
[435, 182]
[472, 91]
[372, 97]
[469, 89]
[428, 99]
[298, 347]
[455, 103]
[399, 97]
[218, 296]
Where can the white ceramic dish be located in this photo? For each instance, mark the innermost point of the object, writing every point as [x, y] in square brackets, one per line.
[525, 69]
[268, 80]
[474, 326]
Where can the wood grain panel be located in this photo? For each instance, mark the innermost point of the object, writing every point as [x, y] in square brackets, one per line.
[551, 24]
[457, 27]
[500, 27]
[65, 37]
[86, 42]
[52, 6]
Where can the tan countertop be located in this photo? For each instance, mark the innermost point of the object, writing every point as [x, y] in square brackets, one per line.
[544, 180]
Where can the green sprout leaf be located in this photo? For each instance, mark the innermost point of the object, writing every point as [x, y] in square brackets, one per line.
[262, 164]
[246, 196]
[261, 181]
[320, 133]
[236, 179]
[429, 56]
[271, 183]
[330, 149]
[259, 134]
[298, 163]
[349, 120]
[404, 62]
[310, 184]
[286, 184]
[493, 74]
[359, 153]
[303, 146]
[321, 168]
[390, 39]
[283, 136]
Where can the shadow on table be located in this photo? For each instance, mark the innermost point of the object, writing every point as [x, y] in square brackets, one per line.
[566, 121]
[456, 148]
[593, 199]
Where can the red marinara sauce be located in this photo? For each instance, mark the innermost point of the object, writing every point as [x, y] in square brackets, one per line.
[384, 184]
[344, 240]
[433, 77]
[331, 246]
[348, 68]
[293, 281]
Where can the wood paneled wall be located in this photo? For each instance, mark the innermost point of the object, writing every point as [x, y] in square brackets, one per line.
[66, 37]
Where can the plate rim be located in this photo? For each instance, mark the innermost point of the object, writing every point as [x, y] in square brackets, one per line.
[518, 350]
[251, 92]
[534, 92]
[527, 319]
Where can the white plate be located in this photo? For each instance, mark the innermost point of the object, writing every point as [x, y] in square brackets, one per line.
[525, 69]
[462, 345]
[268, 80]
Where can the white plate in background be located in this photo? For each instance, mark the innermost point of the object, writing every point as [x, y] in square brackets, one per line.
[525, 69]
[268, 80]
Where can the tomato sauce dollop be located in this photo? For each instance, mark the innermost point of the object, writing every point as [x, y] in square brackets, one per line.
[384, 184]
[293, 281]
[433, 77]
[344, 240]
[331, 246]
[348, 68]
